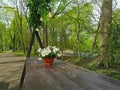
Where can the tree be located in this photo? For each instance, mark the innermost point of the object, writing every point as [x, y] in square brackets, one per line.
[80, 16]
[4, 37]
[106, 17]
[18, 36]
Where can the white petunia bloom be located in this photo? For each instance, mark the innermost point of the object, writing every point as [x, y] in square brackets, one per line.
[39, 58]
[48, 47]
[59, 55]
[44, 53]
[39, 50]
[54, 47]
[55, 50]
[49, 52]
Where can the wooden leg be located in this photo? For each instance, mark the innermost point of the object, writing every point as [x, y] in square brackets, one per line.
[39, 39]
[31, 44]
[28, 55]
[23, 76]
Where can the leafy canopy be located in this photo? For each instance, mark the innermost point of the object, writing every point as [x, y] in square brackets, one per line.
[38, 9]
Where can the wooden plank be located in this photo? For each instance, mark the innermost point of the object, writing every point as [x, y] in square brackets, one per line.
[63, 76]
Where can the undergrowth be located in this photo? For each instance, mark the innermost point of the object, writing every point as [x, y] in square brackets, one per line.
[92, 64]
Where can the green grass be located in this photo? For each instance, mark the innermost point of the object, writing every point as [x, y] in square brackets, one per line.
[113, 72]
[19, 53]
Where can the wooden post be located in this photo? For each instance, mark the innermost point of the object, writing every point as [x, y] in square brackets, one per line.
[39, 39]
[28, 54]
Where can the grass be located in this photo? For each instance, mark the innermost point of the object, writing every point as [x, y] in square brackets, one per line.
[19, 53]
[111, 72]
[92, 65]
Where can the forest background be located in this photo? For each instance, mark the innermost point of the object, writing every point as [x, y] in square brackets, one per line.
[75, 26]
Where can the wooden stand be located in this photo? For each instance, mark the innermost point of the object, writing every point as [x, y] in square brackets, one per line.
[28, 54]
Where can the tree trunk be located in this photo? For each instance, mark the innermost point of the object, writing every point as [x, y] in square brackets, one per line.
[78, 34]
[95, 38]
[10, 34]
[1, 41]
[22, 40]
[14, 40]
[45, 35]
[105, 29]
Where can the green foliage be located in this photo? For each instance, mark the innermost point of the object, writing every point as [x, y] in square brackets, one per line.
[85, 24]
[111, 72]
[58, 32]
[64, 28]
[114, 51]
[86, 41]
[116, 16]
[19, 53]
[114, 40]
[37, 9]
[3, 37]
[62, 31]
[18, 32]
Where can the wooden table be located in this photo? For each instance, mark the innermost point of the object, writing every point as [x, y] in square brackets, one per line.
[63, 76]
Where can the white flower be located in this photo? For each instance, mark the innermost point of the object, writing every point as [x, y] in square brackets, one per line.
[45, 52]
[39, 58]
[59, 55]
[39, 50]
[54, 47]
[55, 50]
[49, 52]
[48, 47]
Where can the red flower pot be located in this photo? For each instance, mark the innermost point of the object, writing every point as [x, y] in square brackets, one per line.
[48, 61]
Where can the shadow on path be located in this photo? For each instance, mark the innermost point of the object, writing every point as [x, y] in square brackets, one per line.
[4, 86]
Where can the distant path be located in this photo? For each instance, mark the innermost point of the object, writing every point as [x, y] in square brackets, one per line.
[10, 70]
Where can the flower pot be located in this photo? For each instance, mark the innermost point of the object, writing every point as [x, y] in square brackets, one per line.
[48, 62]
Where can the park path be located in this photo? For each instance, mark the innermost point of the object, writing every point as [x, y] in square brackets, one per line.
[11, 67]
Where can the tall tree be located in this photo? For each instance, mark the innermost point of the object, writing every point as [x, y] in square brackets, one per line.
[106, 16]
[2, 36]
